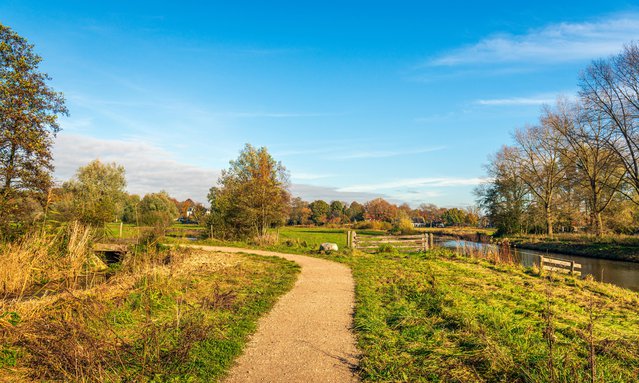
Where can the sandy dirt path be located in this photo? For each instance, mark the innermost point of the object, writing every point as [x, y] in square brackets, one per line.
[307, 336]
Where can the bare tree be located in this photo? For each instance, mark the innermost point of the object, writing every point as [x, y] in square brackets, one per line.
[610, 90]
[598, 170]
[540, 164]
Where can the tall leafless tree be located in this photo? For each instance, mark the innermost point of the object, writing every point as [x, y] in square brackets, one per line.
[610, 91]
[541, 168]
[599, 171]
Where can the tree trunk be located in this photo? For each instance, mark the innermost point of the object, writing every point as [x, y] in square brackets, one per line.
[598, 224]
[549, 222]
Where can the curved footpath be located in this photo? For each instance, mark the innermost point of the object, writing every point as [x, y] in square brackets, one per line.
[307, 336]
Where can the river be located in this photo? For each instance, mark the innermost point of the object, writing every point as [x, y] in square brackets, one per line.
[620, 273]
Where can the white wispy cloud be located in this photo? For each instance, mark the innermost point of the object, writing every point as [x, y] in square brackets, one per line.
[515, 101]
[414, 182]
[538, 99]
[149, 168]
[384, 153]
[553, 43]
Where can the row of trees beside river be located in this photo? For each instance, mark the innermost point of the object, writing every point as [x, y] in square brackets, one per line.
[578, 167]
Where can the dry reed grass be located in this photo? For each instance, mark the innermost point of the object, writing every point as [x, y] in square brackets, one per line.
[268, 239]
[40, 258]
[496, 254]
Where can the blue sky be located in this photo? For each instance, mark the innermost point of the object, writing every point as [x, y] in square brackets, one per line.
[404, 100]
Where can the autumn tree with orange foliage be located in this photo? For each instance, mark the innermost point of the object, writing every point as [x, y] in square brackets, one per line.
[251, 197]
[380, 210]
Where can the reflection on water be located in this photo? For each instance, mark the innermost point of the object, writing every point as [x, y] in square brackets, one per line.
[620, 273]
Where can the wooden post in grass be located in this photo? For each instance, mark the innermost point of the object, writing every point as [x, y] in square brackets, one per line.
[572, 267]
[432, 240]
[424, 242]
[349, 244]
[120, 229]
[541, 264]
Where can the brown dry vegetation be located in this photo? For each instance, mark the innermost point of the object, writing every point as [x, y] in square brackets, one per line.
[39, 259]
[177, 314]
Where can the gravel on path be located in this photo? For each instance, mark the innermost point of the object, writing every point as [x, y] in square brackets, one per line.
[307, 336]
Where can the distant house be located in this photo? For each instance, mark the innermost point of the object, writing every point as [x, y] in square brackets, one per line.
[418, 222]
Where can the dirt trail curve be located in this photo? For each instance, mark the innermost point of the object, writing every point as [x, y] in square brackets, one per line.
[307, 336]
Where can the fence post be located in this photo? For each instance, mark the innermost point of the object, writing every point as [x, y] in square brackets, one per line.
[541, 263]
[120, 229]
[354, 239]
[349, 239]
[424, 242]
[572, 267]
[432, 240]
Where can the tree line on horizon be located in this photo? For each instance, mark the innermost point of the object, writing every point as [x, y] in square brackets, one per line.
[577, 169]
[320, 212]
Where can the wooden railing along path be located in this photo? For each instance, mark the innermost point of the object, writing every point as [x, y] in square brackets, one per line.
[421, 242]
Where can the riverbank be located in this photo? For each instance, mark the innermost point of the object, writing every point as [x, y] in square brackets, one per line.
[616, 248]
[622, 249]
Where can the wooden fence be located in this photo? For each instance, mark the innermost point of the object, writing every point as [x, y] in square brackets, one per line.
[405, 243]
[558, 265]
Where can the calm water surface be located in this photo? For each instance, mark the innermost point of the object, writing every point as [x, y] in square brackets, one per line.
[620, 273]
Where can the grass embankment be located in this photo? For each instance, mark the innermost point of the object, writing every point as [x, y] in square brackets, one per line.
[615, 247]
[459, 231]
[622, 248]
[438, 318]
[178, 315]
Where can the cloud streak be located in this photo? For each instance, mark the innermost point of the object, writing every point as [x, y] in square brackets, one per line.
[384, 154]
[554, 43]
[516, 101]
[414, 182]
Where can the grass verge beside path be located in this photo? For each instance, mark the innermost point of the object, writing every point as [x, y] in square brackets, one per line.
[184, 319]
[434, 318]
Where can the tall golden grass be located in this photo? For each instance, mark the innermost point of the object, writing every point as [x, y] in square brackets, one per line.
[39, 258]
[498, 254]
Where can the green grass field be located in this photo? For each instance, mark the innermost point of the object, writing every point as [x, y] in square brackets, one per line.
[435, 318]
